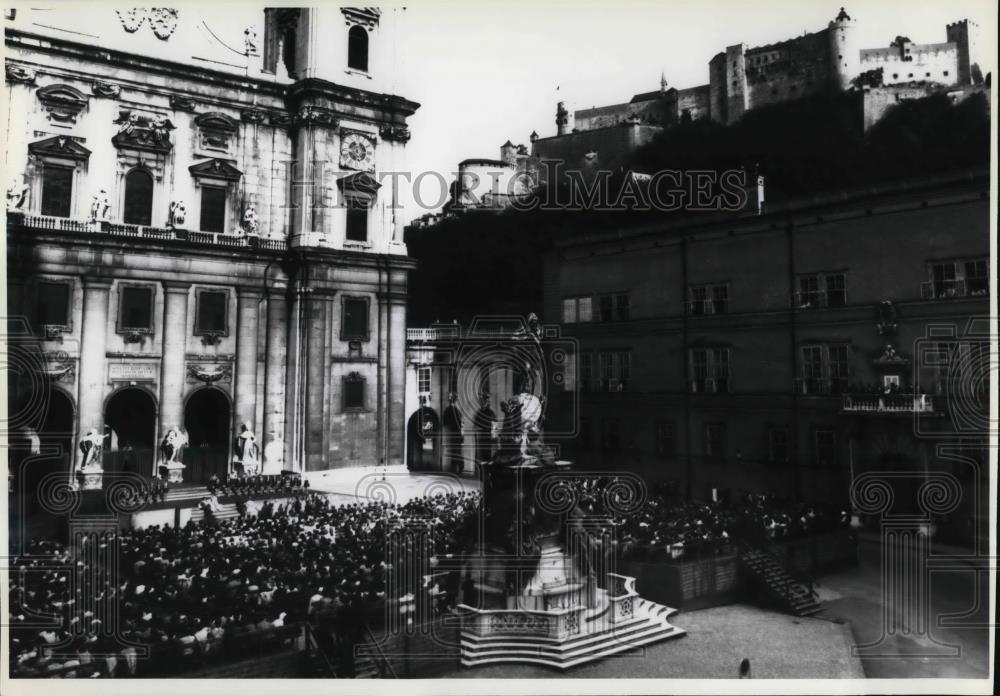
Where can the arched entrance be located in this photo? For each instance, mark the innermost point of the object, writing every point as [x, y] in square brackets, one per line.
[130, 419]
[422, 436]
[53, 443]
[207, 418]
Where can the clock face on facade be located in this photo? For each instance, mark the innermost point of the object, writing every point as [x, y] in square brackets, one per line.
[357, 151]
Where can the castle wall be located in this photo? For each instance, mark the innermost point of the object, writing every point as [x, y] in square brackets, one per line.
[913, 63]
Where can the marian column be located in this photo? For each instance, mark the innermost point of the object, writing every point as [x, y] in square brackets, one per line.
[172, 377]
[93, 346]
[247, 312]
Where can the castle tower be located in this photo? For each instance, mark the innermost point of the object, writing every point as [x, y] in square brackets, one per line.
[845, 55]
[508, 152]
[964, 34]
[564, 119]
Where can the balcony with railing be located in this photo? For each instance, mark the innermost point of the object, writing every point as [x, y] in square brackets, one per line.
[958, 287]
[114, 229]
[888, 404]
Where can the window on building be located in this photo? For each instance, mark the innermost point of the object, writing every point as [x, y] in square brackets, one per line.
[53, 304]
[616, 368]
[611, 435]
[826, 448]
[822, 290]
[710, 370]
[606, 306]
[577, 309]
[946, 73]
[665, 446]
[423, 381]
[57, 190]
[621, 307]
[825, 368]
[715, 441]
[354, 392]
[587, 372]
[213, 209]
[357, 222]
[138, 198]
[959, 278]
[569, 310]
[135, 309]
[777, 445]
[708, 299]
[354, 326]
[211, 313]
[357, 48]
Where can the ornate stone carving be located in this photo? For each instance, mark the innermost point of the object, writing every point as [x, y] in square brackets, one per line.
[106, 89]
[134, 336]
[253, 115]
[312, 116]
[280, 118]
[100, 206]
[364, 16]
[59, 146]
[178, 214]
[18, 196]
[143, 132]
[19, 74]
[216, 130]
[394, 132]
[211, 338]
[181, 103]
[250, 220]
[162, 20]
[215, 169]
[210, 373]
[62, 102]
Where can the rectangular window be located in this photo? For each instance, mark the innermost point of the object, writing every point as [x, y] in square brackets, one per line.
[423, 380]
[777, 445]
[211, 313]
[622, 307]
[354, 326]
[57, 190]
[957, 279]
[665, 439]
[354, 393]
[825, 368]
[569, 311]
[708, 299]
[616, 369]
[53, 304]
[584, 309]
[826, 448]
[611, 436]
[357, 222]
[710, 370]
[715, 441]
[586, 372]
[836, 290]
[135, 309]
[809, 292]
[213, 209]
[606, 307]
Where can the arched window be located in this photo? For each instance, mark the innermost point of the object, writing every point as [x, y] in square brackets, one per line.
[138, 198]
[357, 48]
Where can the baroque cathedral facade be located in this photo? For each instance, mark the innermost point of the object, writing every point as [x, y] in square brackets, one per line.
[199, 238]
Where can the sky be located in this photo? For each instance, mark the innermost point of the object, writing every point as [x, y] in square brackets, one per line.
[486, 72]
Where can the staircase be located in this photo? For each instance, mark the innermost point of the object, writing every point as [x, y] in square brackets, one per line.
[786, 591]
[648, 625]
[226, 511]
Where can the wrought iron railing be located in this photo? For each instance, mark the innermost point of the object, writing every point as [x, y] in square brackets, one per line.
[888, 403]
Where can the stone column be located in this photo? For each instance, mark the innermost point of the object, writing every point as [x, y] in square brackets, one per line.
[395, 413]
[172, 369]
[316, 373]
[274, 384]
[93, 370]
[294, 365]
[247, 312]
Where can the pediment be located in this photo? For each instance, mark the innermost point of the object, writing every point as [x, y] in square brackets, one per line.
[215, 169]
[59, 146]
[62, 95]
[359, 182]
[216, 120]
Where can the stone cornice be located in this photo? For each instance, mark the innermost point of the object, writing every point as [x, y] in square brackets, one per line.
[389, 107]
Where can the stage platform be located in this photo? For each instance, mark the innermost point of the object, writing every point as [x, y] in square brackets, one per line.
[392, 483]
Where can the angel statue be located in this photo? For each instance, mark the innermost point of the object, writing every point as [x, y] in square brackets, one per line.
[18, 196]
[170, 448]
[100, 206]
[178, 214]
[250, 220]
[91, 445]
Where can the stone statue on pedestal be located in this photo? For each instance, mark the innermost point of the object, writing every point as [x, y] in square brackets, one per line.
[91, 445]
[100, 206]
[246, 453]
[170, 455]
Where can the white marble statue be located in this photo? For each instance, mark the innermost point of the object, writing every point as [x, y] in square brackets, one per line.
[91, 446]
[246, 452]
[250, 220]
[100, 206]
[18, 196]
[178, 214]
[170, 448]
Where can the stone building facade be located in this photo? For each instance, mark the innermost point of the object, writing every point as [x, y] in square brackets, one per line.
[199, 236]
[792, 351]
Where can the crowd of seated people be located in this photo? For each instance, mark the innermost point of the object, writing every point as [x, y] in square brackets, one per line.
[201, 589]
[257, 485]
